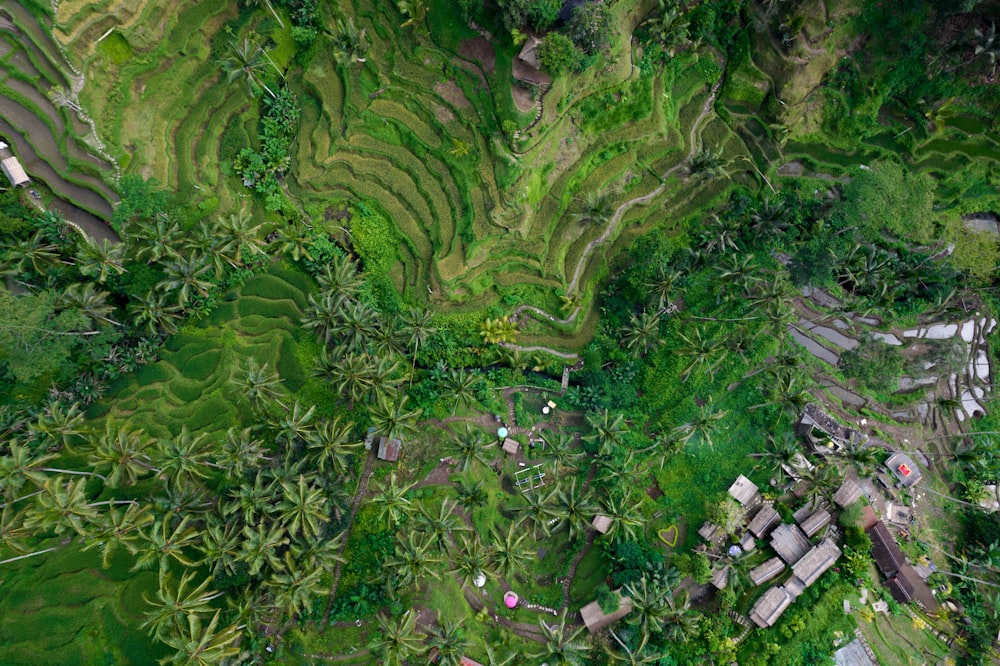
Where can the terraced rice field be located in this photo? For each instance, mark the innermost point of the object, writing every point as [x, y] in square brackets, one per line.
[192, 383]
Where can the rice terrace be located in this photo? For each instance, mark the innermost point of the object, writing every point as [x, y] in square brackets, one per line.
[565, 332]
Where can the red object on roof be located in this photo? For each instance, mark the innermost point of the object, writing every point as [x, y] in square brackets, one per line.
[904, 469]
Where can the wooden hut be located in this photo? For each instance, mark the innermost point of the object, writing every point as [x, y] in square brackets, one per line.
[596, 619]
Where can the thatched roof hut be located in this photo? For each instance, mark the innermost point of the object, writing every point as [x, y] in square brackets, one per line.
[770, 606]
[789, 543]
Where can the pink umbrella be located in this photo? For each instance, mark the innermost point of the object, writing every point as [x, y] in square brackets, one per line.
[510, 599]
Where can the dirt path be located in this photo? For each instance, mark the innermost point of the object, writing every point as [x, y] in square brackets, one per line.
[537, 348]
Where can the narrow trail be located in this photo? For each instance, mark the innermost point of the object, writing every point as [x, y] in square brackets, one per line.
[355, 505]
[569, 356]
[545, 315]
[571, 573]
[623, 208]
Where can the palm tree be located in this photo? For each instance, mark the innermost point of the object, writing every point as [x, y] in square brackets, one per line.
[253, 500]
[450, 642]
[988, 46]
[159, 239]
[626, 518]
[196, 643]
[471, 493]
[185, 276]
[662, 285]
[356, 325]
[595, 209]
[700, 428]
[679, 622]
[295, 242]
[629, 656]
[61, 507]
[242, 239]
[303, 508]
[670, 29]
[642, 333]
[32, 253]
[183, 459]
[123, 452]
[701, 349]
[348, 43]
[58, 426]
[172, 604]
[19, 467]
[511, 551]
[786, 393]
[397, 640]
[562, 647]
[90, 302]
[392, 503]
[609, 431]
[539, 509]
[118, 528]
[261, 546]
[416, 329]
[471, 561]
[167, 539]
[152, 314]
[333, 445]
[498, 331]
[471, 446]
[823, 480]
[258, 384]
[99, 260]
[442, 526]
[244, 62]
[391, 418]
[412, 561]
[561, 447]
[781, 452]
[323, 316]
[295, 586]
[220, 545]
[461, 384]
[293, 426]
[574, 509]
[385, 379]
[241, 452]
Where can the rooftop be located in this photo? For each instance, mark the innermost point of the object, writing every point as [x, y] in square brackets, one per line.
[511, 446]
[766, 571]
[815, 522]
[814, 563]
[602, 524]
[903, 468]
[596, 619]
[743, 490]
[885, 550]
[763, 521]
[770, 606]
[14, 172]
[848, 493]
[789, 543]
[388, 449]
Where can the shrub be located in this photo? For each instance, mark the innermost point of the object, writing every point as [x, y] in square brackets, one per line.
[876, 365]
[558, 54]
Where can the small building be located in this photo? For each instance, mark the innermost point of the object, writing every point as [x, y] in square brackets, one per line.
[602, 524]
[388, 449]
[816, 521]
[747, 543]
[853, 654]
[770, 606]
[789, 543]
[848, 493]
[903, 468]
[720, 577]
[813, 564]
[12, 167]
[764, 521]
[710, 531]
[907, 585]
[596, 619]
[744, 490]
[766, 571]
[885, 551]
[898, 514]
[511, 446]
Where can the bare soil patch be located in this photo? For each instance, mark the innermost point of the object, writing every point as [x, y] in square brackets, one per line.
[480, 50]
[522, 99]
